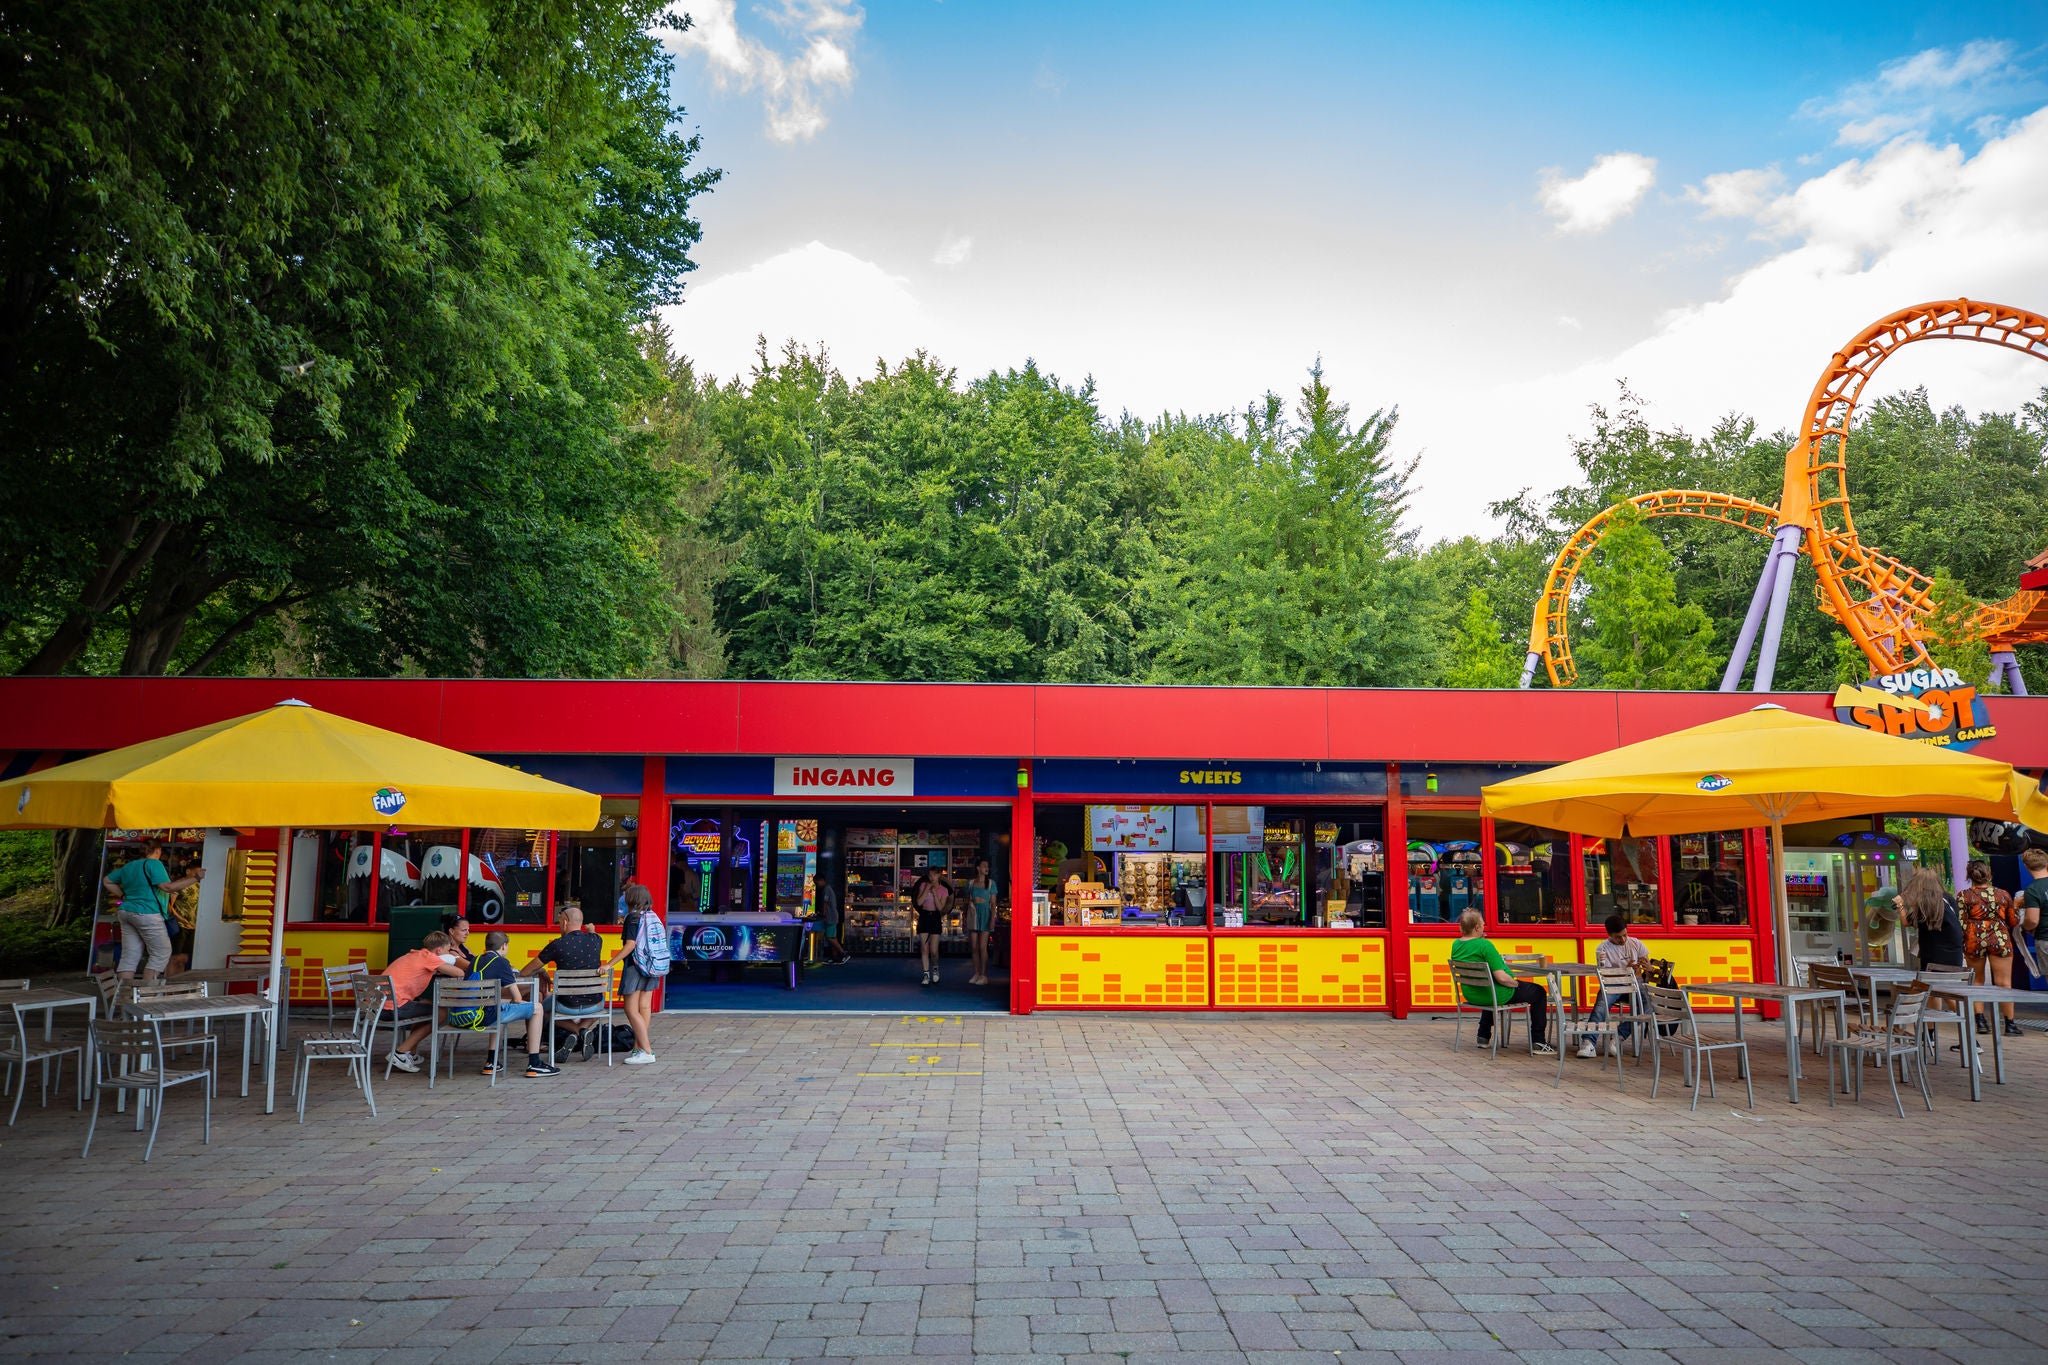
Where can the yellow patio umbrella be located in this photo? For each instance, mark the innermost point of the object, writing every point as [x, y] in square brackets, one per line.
[1767, 763]
[292, 767]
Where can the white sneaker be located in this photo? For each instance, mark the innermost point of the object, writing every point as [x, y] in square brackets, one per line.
[638, 1058]
[405, 1061]
[1588, 1048]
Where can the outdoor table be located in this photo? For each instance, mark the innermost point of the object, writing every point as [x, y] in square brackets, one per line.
[1787, 997]
[1974, 995]
[213, 1007]
[259, 973]
[1557, 972]
[50, 999]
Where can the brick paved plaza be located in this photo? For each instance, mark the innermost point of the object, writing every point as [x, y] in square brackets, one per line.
[1102, 1189]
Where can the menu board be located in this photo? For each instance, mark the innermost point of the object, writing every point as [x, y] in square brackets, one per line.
[1239, 829]
[1130, 829]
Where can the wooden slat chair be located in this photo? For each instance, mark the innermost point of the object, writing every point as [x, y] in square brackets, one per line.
[354, 1046]
[451, 995]
[128, 1055]
[1619, 985]
[26, 1048]
[597, 982]
[1477, 975]
[203, 1038]
[1678, 1029]
[1895, 1043]
[18, 983]
[342, 981]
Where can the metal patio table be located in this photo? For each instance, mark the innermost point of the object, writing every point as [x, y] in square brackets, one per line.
[1974, 995]
[1786, 997]
[1557, 972]
[213, 1007]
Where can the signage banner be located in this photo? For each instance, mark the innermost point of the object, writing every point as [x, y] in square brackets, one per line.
[845, 777]
[736, 942]
[1206, 780]
[1926, 705]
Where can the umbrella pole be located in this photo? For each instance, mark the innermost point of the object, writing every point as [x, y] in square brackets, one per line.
[1781, 904]
[279, 997]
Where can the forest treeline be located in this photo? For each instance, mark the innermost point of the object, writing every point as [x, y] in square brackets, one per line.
[326, 348]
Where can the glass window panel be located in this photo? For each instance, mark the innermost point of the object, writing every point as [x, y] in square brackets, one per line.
[1622, 877]
[592, 867]
[1532, 874]
[1710, 878]
[1348, 869]
[508, 876]
[1446, 870]
[1140, 867]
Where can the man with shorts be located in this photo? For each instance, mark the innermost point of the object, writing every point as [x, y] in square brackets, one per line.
[577, 950]
[145, 890]
[493, 966]
[412, 981]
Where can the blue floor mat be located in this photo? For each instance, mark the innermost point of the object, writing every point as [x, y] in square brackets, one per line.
[886, 985]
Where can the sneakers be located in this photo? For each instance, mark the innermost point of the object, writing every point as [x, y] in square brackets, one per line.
[929, 979]
[638, 1058]
[1588, 1048]
[543, 1067]
[492, 1066]
[2012, 1029]
[1544, 1050]
[406, 1061]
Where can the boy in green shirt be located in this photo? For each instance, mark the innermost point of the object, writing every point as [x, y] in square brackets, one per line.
[1506, 990]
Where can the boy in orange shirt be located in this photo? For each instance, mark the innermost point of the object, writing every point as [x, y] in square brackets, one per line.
[412, 978]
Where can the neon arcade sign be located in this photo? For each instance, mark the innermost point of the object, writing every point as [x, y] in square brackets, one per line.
[845, 777]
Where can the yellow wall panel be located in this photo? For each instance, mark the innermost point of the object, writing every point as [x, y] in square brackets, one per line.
[308, 952]
[1298, 972]
[1698, 961]
[1164, 973]
[1429, 963]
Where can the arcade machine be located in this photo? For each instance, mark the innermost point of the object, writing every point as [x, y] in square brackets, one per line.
[485, 903]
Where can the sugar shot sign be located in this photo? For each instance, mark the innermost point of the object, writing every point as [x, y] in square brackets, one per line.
[1927, 705]
[846, 777]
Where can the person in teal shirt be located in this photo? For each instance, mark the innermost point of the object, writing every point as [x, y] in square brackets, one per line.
[981, 898]
[145, 890]
[1506, 990]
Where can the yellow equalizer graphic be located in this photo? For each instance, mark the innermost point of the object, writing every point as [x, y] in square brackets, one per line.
[1304, 973]
[1166, 972]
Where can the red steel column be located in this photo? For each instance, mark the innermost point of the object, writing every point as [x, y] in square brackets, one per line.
[1023, 881]
[652, 853]
[1395, 826]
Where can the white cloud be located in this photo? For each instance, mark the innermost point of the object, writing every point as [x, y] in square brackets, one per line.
[812, 294]
[1915, 222]
[1600, 198]
[1931, 89]
[1736, 194]
[815, 57]
[953, 252]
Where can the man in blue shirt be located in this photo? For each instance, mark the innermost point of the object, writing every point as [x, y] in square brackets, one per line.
[145, 890]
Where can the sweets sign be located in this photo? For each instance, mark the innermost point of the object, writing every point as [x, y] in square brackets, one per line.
[1926, 705]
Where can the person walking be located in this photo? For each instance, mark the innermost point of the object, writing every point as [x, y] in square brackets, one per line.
[981, 911]
[929, 900]
[145, 890]
[643, 947]
[1927, 907]
[1991, 924]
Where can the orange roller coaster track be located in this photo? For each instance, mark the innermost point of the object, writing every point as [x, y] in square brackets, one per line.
[1878, 600]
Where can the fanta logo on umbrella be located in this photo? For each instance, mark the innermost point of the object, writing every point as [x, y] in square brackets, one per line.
[1714, 782]
[388, 801]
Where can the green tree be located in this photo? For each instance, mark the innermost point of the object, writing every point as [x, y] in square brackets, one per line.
[276, 278]
[1951, 630]
[1852, 665]
[1642, 636]
[1290, 561]
[1480, 655]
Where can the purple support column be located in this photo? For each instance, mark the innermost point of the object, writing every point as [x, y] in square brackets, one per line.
[1529, 667]
[1738, 658]
[2005, 668]
[1785, 553]
[1958, 852]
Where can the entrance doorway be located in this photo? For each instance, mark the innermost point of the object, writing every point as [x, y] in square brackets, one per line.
[828, 886]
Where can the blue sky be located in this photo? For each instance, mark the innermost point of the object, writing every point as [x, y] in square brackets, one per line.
[1482, 214]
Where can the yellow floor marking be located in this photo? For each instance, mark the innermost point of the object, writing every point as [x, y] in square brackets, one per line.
[932, 1019]
[917, 1073]
[924, 1044]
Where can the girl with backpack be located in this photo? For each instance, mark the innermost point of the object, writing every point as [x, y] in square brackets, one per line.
[643, 947]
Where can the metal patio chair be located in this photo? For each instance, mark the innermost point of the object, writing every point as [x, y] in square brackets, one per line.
[26, 1048]
[451, 994]
[128, 1055]
[1618, 985]
[1896, 1043]
[355, 1046]
[597, 982]
[1477, 975]
[342, 980]
[1678, 1029]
